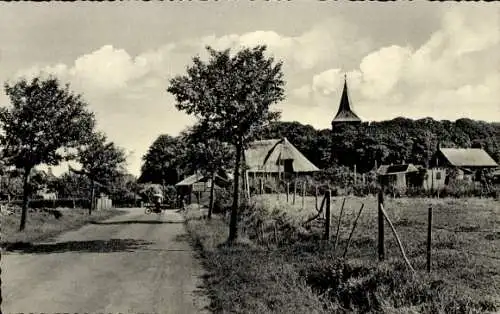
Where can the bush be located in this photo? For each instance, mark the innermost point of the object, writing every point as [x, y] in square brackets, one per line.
[460, 188]
[223, 200]
[361, 286]
[61, 202]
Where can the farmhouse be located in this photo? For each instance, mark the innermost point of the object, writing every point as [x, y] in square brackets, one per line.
[458, 164]
[397, 176]
[275, 159]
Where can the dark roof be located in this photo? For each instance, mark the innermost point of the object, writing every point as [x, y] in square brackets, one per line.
[220, 178]
[190, 180]
[264, 156]
[395, 169]
[345, 113]
[468, 157]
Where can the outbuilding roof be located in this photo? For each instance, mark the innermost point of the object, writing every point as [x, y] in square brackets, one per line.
[468, 157]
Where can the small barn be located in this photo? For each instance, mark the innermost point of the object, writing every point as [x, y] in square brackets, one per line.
[198, 185]
[462, 163]
[397, 176]
[275, 159]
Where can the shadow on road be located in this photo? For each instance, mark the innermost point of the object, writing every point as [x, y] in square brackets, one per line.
[95, 246]
[129, 222]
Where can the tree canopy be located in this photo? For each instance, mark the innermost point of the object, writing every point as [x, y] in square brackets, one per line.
[44, 120]
[42, 124]
[163, 160]
[393, 141]
[101, 161]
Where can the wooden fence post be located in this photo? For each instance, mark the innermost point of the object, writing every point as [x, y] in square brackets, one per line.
[400, 245]
[381, 251]
[338, 225]
[355, 175]
[327, 214]
[429, 239]
[261, 186]
[287, 190]
[294, 190]
[303, 193]
[352, 231]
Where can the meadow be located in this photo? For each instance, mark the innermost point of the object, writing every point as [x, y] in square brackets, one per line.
[282, 265]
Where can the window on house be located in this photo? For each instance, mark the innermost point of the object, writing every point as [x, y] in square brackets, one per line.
[438, 176]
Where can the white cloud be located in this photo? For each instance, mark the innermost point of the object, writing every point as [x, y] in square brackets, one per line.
[326, 82]
[382, 70]
[108, 68]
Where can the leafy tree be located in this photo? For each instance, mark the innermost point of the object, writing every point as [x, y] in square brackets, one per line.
[207, 155]
[231, 95]
[43, 122]
[163, 160]
[101, 162]
[124, 188]
[72, 185]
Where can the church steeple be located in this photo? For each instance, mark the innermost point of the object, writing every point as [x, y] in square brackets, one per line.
[345, 113]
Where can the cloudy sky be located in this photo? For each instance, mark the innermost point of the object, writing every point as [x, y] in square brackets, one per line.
[401, 59]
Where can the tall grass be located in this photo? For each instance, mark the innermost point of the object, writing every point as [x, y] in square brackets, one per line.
[465, 275]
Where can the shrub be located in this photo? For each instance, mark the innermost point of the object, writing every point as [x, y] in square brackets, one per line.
[223, 200]
[460, 188]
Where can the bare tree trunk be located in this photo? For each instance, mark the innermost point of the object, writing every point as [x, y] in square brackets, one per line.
[212, 188]
[233, 224]
[26, 192]
[92, 196]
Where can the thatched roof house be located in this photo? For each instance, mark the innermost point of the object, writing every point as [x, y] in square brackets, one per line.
[276, 156]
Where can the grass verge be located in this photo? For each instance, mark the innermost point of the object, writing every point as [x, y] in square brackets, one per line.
[42, 225]
[246, 278]
[279, 268]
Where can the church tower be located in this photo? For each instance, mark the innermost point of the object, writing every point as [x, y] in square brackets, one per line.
[345, 115]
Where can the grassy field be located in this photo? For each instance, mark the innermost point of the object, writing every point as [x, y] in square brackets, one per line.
[276, 268]
[42, 225]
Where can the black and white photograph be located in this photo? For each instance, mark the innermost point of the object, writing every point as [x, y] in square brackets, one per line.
[250, 156]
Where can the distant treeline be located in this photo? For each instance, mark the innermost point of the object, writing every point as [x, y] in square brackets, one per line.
[395, 141]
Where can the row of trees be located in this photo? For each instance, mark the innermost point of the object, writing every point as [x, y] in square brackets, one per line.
[394, 141]
[47, 123]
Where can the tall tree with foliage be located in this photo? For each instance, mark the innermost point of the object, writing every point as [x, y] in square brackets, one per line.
[101, 161]
[43, 121]
[207, 155]
[163, 160]
[231, 95]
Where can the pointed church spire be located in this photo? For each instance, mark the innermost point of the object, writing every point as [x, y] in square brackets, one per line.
[345, 113]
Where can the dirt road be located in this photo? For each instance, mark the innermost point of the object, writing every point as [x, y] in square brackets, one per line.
[134, 263]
